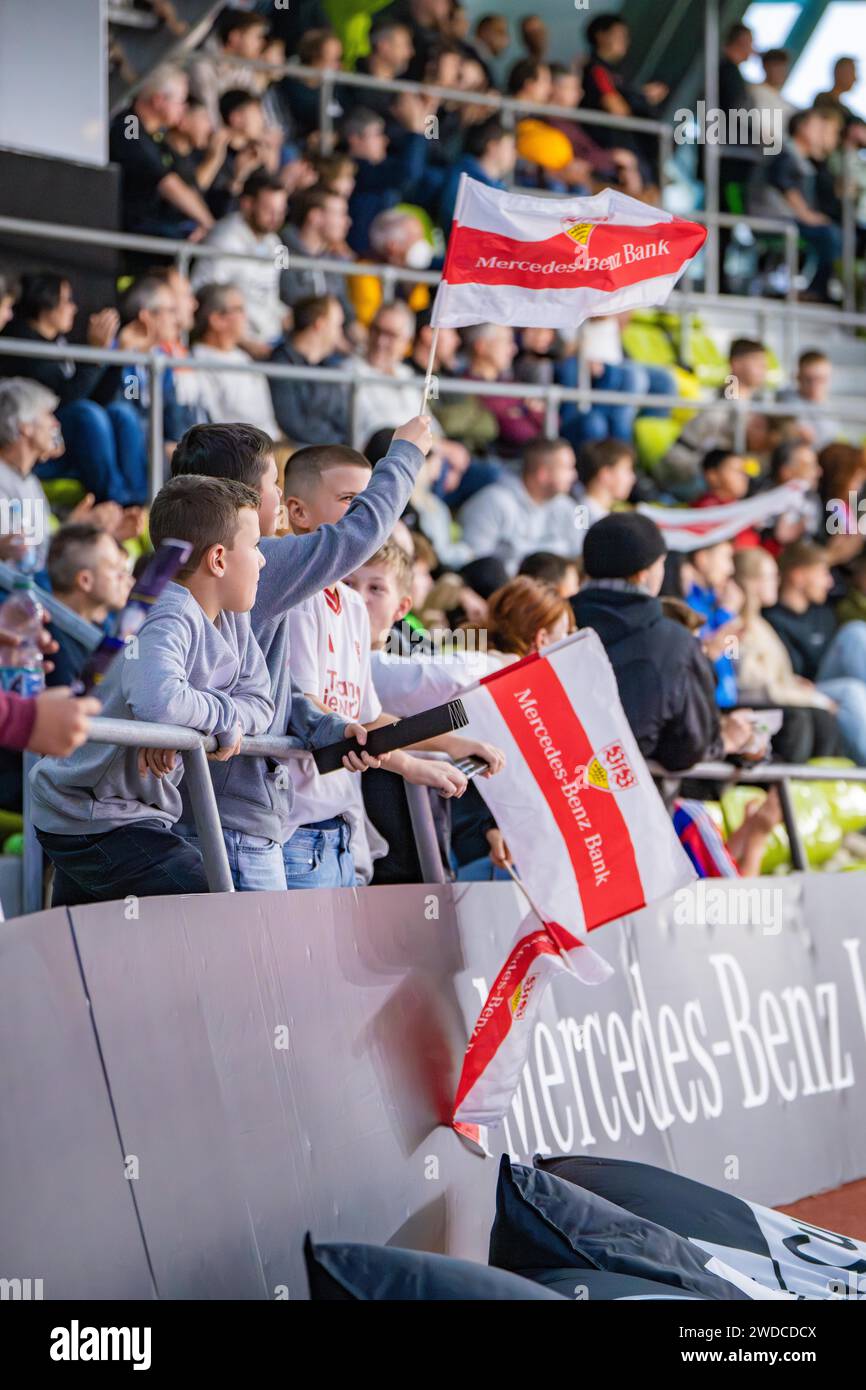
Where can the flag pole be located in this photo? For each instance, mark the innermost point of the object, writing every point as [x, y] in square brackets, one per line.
[540, 915]
[428, 380]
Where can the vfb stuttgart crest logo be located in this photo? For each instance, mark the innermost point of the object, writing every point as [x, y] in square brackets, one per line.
[610, 766]
[579, 230]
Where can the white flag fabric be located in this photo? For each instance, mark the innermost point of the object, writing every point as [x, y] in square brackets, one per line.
[500, 1041]
[531, 262]
[691, 528]
[575, 801]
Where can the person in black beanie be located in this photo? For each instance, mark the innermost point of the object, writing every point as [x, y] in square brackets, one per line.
[666, 684]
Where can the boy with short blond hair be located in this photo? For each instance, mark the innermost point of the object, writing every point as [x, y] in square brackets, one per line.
[330, 644]
[106, 816]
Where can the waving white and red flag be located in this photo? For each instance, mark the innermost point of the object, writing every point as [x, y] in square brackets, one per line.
[514, 258]
[691, 528]
[587, 829]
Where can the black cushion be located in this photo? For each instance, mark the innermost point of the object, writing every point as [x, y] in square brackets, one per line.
[778, 1250]
[543, 1223]
[339, 1271]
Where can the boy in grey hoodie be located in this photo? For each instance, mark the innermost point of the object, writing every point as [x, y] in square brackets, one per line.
[105, 816]
[255, 794]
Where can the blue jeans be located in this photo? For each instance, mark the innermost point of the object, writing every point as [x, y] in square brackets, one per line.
[106, 449]
[846, 654]
[143, 859]
[319, 856]
[256, 862]
[611, 421]
[842, 676]
[826, 242]
[481, 870]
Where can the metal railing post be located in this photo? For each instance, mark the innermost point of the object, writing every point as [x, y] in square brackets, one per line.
[792, 260]
[849, 232]
[207, 821]
[31, 863]
[551, 414]
[156, 444]
[799, 859]
[712, 161]
[326, 117]
[355, 415]
[424, 830]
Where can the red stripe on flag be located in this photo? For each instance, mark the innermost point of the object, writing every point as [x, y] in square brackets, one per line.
[589, 819]
[491, 1031]
[614, 256]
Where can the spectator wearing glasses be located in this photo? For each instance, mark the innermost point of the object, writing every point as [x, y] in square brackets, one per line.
[90, 574]
[382, 403]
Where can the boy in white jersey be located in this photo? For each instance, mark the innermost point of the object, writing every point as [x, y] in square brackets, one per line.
[330, 654]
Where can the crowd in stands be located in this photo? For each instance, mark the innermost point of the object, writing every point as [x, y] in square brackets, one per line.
[353, 563]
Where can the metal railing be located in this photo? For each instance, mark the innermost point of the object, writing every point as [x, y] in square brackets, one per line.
[194, 746]
[762, 774]
[686, 299]
[196, 775]
[584, 395]
[512, 107]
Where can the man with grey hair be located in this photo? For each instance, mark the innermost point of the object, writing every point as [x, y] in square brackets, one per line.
[29, 431]
[397, 238]
[157, 199]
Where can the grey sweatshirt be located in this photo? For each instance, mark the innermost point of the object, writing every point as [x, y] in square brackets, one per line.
[187, 671]
[255, 794]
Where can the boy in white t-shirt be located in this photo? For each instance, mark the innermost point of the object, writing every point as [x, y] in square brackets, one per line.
[330, 647]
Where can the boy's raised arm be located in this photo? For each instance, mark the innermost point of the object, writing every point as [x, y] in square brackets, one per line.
[298, 566]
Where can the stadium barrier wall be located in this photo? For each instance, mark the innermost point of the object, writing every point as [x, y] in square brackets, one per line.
[189, 1084]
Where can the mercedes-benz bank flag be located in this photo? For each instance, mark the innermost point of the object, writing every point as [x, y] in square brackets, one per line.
[778, 1251]
[531, 262]
[587, 829]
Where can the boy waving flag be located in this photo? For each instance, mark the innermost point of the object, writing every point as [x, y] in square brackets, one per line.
[553, 262]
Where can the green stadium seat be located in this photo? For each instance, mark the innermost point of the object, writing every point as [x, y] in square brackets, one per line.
[734, 801]
[653, 436]
[63, 493]
[846, 801]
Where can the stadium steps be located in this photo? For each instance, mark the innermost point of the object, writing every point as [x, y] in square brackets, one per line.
[139, 47]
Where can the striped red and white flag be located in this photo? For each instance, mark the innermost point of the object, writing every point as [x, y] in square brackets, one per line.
[691, 528]
[497, 1051]
[575, 801]
[588, 832]
[515, 258]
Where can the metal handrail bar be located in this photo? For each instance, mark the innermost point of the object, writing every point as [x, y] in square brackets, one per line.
[186, 250]
[129, 733]
[159, 363]
[769, 774]
[761, 772]
[495, 100]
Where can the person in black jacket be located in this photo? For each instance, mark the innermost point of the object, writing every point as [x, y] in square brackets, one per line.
[665, 682]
